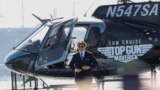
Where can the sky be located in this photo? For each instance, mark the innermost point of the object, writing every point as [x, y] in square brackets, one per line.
[12, 14]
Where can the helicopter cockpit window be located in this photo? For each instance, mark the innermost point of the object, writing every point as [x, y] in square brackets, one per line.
[58, 35]
[35, 39]
[40, 36]
[93, 36]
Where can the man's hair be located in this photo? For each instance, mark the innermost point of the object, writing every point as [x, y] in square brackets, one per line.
[82, 43]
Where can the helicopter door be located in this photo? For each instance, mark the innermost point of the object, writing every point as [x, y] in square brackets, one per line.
[55, 47]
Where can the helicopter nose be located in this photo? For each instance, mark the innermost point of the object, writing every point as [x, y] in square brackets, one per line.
[9, 65]
[9, 60]
[13, 58]
[18, 60]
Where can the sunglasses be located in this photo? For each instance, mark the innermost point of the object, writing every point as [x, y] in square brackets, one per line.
[81, 46]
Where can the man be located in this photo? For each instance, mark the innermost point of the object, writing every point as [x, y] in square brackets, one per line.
[82, 63]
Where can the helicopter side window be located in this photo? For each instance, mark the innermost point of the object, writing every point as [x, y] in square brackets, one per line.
[93, 36]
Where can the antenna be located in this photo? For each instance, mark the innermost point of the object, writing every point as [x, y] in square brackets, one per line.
[89, 9]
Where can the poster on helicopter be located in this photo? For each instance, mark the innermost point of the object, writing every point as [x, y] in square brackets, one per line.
[145, 12]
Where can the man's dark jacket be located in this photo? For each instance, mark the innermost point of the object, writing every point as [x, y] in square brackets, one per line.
[77, 63]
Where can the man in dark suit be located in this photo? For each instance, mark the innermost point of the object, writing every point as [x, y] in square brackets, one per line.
[82, 63]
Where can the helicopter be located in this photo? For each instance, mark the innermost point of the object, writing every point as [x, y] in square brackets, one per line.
[124, 38]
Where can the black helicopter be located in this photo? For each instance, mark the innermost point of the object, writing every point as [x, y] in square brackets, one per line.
[125, 38]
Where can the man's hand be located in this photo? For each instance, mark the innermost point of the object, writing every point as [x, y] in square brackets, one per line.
[78, 70]
[86, 67]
